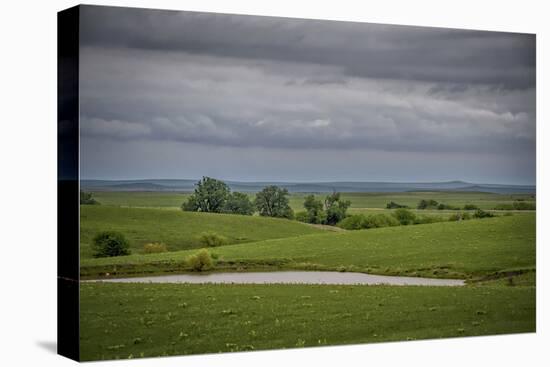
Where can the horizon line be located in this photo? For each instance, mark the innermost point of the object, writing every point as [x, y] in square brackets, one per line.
[311, 182]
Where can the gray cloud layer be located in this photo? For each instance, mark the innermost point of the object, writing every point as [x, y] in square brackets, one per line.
[274, 83]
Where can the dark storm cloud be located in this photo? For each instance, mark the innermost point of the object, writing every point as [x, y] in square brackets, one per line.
[270, 84]
[366, 50]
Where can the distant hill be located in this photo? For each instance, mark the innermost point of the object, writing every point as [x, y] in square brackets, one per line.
[303, 187]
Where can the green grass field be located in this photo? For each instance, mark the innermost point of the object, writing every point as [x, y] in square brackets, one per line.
[177, 229]
[449, 249]
[118, 320]
[360, 201]
[145, 320]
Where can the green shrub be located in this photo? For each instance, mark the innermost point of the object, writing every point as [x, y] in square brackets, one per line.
[466, 216]
[379, 221]
[361, 221]
[404, 216]
[427, 204]
[352, 222]
[154, 248]
[394, 205]
[470, 207]
[301, 216]
[200, 261]
[212, 239]
[442, 206]
[483, 214]
[110, 243]
[455, 217]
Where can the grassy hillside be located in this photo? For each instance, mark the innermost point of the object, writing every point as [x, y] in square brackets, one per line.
[359, 201]
[144, 320]
[450, 249]
[179, 230]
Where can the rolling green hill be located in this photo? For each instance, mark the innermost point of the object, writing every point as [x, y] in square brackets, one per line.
[449, 249]
[179, 230]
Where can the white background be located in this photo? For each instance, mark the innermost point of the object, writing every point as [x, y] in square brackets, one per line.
[28, 183]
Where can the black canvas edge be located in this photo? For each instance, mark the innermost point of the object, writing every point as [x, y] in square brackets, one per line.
[68, 197]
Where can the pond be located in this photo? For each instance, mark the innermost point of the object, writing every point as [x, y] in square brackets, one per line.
[289, 277]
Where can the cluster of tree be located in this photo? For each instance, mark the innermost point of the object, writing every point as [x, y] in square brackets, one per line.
[329, 212]
[404, 217]
[398, 217]
[427, 204]
[480, 214]
[433, 204]
[394, 205]
[214, 196]
[86, 198]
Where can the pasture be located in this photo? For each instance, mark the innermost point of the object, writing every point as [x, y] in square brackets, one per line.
[359, 201]
[145, 320]
[496, 255]
[463, 249]
[177, 229]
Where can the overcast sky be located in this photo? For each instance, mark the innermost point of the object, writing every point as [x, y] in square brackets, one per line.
[183, 95]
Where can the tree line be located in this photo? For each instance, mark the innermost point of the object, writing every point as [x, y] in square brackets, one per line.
[215, 196]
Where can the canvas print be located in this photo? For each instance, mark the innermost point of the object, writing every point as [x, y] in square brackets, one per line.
[246, 183]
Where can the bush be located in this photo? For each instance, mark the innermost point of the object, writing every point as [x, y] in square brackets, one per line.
[361, 221]
[442, 206]
[301, 216]
[212, 239]
[466, 216]
[110, 243]
[379, 221]
[455, 217]
[394, 205]
[427, 204]
[201, 261]
[154, 248]
[353, 222]
[470, 207]
[404, 216]
[480, 214]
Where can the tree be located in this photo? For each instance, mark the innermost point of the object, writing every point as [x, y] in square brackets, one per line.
[238, 203]
[210, 195]
[110, 243]
[404, 216]
[314, 210]
[335, 208]
[427, 204]
[272, 201]
[394, 205]
[86, 198]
